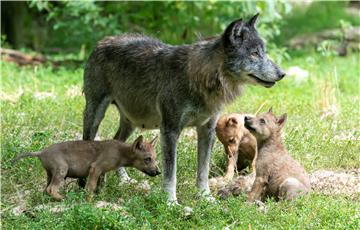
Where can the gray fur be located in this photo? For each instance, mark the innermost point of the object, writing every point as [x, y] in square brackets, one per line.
[155, 85]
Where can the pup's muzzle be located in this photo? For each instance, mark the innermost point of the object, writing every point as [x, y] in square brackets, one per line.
[247, 123]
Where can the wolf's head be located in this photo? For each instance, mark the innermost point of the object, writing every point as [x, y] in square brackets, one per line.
[245, 56]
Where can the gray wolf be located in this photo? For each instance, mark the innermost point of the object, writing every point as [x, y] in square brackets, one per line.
[159, 86]
[277, 173]
[239, 143]
[80, 159]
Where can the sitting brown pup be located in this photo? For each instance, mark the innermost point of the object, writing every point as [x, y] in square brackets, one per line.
[239, 143]
[79, 159]
[277, 174]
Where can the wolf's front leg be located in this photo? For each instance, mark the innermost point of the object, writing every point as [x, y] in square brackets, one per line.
[169, 137]
[206, 138]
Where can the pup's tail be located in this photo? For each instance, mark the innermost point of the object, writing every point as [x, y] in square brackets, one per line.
[34, 154]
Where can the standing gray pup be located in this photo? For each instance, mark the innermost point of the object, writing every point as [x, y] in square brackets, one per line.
[155, 85]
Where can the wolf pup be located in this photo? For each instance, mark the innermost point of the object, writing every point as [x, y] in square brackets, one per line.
[277, 174]
[239, 143]
[79, 159]
[169, 87]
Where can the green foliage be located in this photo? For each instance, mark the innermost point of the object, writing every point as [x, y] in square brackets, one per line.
[32, 120]
[78, 23]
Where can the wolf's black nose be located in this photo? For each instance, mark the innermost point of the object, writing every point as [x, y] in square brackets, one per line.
[247, 118]
[281, 74]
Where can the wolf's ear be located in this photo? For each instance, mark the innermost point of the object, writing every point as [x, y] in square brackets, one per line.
[252, 21]
[233, 33]
[281, 120]
[138, 143]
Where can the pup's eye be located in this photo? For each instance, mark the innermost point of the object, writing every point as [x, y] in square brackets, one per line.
[147, 160]
[232, 140]
[262, 121]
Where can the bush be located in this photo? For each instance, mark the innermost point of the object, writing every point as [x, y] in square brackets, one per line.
[76, 24]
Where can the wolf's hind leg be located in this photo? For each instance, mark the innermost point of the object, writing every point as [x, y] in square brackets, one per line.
[93, 114]
[123, 133]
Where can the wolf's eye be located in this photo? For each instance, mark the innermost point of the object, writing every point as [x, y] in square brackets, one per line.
[147, 160]
[255, 54]
[262, 121]
[232, 140]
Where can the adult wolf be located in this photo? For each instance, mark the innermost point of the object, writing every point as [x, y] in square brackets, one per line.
[155, 85]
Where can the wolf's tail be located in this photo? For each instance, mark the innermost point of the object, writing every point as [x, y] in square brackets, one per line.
[34, 154]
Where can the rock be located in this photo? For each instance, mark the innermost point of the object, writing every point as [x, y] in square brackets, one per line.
[299, 74]
[344, 39]
[188, 211]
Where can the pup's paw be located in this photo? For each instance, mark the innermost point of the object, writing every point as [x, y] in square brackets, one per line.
[261, 206]
[90, 198]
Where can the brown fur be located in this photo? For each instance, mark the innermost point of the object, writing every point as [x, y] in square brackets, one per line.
[81, 159]
[239, 143]
[277, 174]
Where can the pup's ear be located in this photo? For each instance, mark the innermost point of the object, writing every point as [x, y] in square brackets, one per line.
[270, 110]
[233, 34]
[252, 21]
[153, 141]
[232, 121]
[138, 143]
[281, 120]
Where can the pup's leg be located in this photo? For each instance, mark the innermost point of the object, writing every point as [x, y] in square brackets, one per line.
[206, 138]
[232, 162]
[94, 175]
[291, 188]
[48, 179]
[58, 176]
[93, 114]
[124, 131]
[257, 189]
[100, 183]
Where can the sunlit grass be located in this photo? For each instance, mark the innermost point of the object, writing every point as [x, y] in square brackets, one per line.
[41, 106]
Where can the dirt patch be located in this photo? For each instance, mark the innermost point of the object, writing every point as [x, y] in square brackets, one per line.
[336, 182]
[342, 182]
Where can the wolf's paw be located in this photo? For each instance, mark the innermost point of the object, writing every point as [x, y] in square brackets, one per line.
[206, 196]
[172, 203]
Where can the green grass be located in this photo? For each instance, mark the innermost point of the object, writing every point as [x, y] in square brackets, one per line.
[30, 124]
[318, 16]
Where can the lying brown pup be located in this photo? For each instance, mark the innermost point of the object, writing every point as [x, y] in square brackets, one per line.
[239, 143]
[79, 159]
[277, 174]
